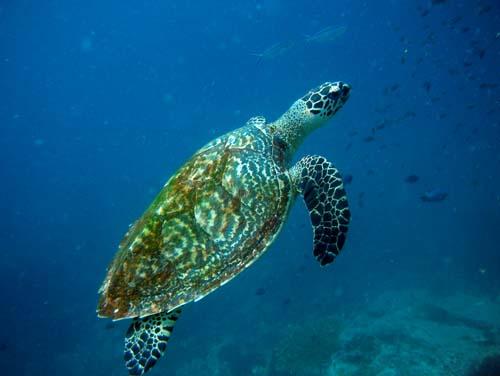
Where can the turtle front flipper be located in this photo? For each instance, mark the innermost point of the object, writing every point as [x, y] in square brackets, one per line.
[321, 185]
[146, 340]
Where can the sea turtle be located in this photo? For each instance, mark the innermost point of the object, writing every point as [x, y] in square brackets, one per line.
[219, 213]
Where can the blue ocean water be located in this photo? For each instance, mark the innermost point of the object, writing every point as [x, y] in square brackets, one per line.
[103, 101]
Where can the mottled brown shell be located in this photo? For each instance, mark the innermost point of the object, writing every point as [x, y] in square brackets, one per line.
[211, 220]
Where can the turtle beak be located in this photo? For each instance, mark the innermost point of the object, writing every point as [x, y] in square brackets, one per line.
[345, 90]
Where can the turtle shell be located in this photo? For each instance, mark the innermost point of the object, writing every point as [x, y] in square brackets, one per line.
[212, 219]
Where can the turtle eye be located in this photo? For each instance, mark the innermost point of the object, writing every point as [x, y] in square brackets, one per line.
[333, 95]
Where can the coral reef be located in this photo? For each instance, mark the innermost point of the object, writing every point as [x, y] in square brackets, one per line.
[488, 366]
[241, 359]
[307, 347]
[209, 365]
[410, 334]
[398, 333]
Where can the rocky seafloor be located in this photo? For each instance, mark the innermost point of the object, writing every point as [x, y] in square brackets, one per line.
[403, 333]
[396, 333]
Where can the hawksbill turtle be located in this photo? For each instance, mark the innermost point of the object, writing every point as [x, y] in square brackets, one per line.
[216, 215]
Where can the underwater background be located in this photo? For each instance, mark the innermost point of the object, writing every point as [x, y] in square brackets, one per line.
[102, 101]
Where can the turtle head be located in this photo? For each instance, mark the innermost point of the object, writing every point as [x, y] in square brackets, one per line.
[311, 112]
[321, 103]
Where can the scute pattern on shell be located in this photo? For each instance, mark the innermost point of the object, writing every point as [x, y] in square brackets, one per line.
[212, 219]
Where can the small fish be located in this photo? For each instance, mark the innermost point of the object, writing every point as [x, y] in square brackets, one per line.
[455, 20]
[276, 50]
[328, 34]
[260, 291]
[435, 2]
[110, 325]
[391, 89]
[412, 179]
[487, 85]
[484, 9]
[348, 179]
[430, 38]
[427, 86]
[368, 139]
[424, 12]
[435, 195]
[411, 114]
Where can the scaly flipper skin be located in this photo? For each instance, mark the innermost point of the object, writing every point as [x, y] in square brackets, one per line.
[320, 184]
[146, 341]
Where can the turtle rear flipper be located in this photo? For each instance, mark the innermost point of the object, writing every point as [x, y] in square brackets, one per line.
[321, 185]
[146, 340]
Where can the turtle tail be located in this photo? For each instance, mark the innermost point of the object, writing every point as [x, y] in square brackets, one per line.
[146, 340]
